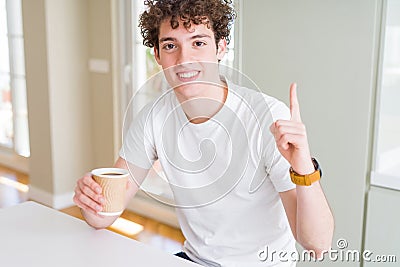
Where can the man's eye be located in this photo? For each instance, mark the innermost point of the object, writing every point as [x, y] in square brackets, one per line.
[199, 43]
[169, 46]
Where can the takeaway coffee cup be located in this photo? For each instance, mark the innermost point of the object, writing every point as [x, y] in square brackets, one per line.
[113, 183]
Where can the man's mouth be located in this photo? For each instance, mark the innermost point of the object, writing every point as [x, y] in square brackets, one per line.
[188, 74]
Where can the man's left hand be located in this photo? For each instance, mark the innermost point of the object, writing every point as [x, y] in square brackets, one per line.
[291, 137]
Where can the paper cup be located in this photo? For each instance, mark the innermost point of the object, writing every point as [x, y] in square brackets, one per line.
[113, 183]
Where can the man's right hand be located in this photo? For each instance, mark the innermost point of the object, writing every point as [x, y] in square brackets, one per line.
[88, 195]
[89, 198]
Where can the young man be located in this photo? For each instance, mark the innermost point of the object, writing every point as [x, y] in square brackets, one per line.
[228, 152]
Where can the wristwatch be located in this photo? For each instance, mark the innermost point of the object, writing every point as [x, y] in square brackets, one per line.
[306, 179]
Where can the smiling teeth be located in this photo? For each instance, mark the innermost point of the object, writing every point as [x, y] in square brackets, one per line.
[188, 74]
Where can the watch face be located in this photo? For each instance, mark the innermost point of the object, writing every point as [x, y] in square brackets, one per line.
[317, 166]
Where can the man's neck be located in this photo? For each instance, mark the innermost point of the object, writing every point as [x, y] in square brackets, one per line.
[201, 108]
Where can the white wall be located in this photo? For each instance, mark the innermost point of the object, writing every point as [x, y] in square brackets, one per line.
[104, 133]
[382, 228]
[37, 93]
[69, 89]
[329, 48]
[59, 99]
[71, 110]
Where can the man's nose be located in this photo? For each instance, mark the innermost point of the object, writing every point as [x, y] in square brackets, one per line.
[185, 55]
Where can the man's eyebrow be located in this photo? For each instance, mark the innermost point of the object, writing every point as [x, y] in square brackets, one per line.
[200, 36]
[166, 39]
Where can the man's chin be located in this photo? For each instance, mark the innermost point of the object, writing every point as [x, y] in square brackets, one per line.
[188, 90]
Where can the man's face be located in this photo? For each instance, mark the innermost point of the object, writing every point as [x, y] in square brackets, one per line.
[189, 58]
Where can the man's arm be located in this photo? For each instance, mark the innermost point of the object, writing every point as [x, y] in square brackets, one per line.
[89, 198]
[307, 209]
[309, 216]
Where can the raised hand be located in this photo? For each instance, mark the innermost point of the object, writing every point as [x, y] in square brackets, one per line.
[291, 137]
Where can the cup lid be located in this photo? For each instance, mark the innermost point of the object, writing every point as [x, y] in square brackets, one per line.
[110, 172]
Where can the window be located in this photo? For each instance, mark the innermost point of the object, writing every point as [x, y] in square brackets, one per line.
[146, 80]
[13, 109]
[387, 142]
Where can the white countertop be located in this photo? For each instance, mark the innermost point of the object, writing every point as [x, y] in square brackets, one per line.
[34, 235]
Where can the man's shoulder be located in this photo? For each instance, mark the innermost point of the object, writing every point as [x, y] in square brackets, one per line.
[159, 106]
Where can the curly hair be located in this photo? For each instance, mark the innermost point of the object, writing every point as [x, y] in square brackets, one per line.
[215, 14]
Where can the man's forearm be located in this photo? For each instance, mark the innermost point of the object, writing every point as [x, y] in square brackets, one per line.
[98, 221]
[314, 222]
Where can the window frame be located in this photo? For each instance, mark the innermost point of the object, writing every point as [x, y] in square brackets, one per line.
[378, 178]
[12, 155]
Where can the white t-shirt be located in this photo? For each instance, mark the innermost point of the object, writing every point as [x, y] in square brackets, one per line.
[225, 175]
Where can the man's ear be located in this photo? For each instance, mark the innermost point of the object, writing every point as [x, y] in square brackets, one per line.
[221, 49]
[157, 55]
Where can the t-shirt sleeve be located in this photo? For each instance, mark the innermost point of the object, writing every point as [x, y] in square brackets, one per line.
[138, 145]
[279, 174]
[277, 167]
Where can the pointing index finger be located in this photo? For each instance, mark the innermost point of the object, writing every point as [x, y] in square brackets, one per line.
[294, 104]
